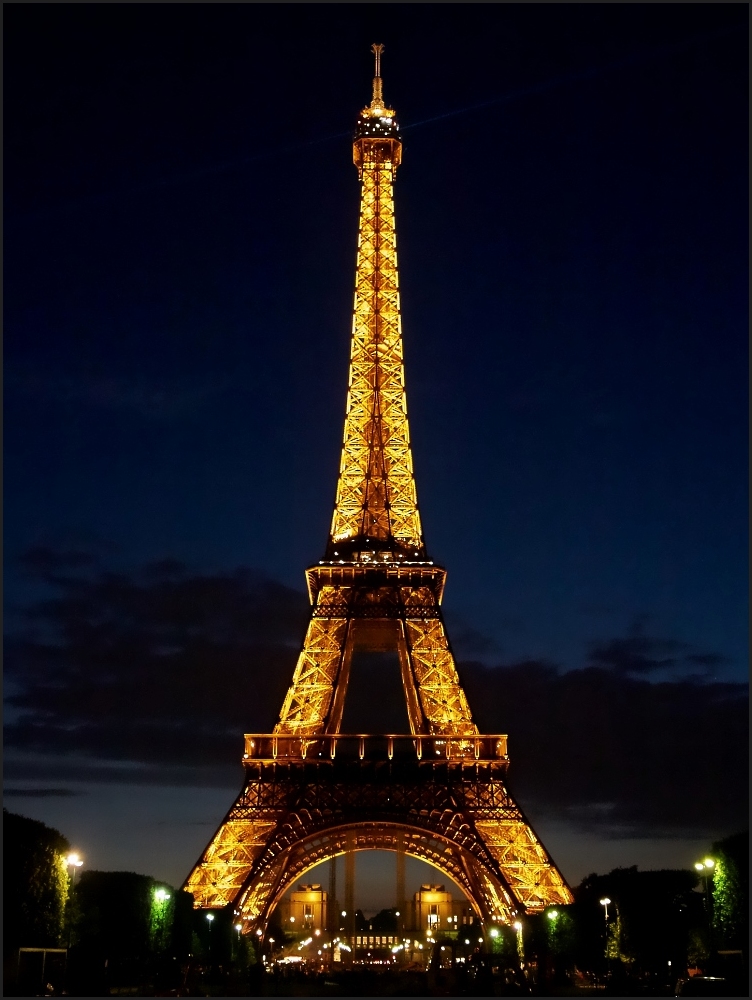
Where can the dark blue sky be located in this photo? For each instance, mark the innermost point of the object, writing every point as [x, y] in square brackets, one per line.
[181, 213]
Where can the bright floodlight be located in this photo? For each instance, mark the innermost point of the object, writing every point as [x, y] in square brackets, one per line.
[552, 914]
[605, 901]
[161, 895]
[210, 917]
[494, 932]
[709, 863]
[74, 861]
[517, 925]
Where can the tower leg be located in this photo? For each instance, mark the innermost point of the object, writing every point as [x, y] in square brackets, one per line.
[350, 889]
[331, 916]
[401, 901]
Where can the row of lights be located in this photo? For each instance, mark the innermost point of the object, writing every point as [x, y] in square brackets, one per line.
[702, 866]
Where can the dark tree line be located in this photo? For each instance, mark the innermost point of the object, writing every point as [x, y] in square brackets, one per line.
[125, 929]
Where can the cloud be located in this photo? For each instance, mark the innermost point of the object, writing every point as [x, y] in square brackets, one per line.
[40, 793]
[157, 667]
[149, 398]
[616, 753]
[468, 641]
[152, 677]
[639, 654]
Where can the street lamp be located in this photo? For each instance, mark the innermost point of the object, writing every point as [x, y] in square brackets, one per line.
[552, 914]
[604, 902]
[520, 951]
[704, 868]
[72, 862]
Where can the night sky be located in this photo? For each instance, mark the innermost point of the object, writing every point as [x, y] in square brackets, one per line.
[180, 229]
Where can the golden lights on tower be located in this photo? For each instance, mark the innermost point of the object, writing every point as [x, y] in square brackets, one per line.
[376, 589]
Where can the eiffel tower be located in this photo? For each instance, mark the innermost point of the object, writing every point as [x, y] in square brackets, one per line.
[312, 792]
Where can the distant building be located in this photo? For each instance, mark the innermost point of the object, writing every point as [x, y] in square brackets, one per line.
[434, 909]
[304, 909]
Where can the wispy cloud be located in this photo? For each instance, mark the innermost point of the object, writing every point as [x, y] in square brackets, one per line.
[638, 654]
[40, 793]
[149, 398]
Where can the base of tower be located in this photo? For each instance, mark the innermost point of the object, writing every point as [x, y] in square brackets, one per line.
[446, 806]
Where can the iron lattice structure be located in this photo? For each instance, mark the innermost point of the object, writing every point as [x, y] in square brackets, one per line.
[310, 792]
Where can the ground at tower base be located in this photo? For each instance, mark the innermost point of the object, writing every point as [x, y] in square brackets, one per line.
[628, 933]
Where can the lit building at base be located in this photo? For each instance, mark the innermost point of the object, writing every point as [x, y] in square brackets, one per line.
[304, 909]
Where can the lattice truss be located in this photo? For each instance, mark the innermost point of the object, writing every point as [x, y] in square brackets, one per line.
[527, 868]
[442, 699]
[309, 697]
[227, 861]
[424, 642]
[376, 495]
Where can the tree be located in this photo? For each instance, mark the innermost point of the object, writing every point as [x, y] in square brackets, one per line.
[384, 922]
[731, 892]
[36, 883]
[650, 917]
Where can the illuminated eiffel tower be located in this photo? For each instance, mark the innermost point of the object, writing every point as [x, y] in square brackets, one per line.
[310, 791]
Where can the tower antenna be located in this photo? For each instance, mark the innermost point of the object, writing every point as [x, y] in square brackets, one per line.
[378, 100]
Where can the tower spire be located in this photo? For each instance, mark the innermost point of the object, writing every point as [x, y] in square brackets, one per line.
[378, 100]
[376, 508]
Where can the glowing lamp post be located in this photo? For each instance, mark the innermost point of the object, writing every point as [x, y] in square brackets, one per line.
[520, 951]
[73, 862]
[705, 870]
